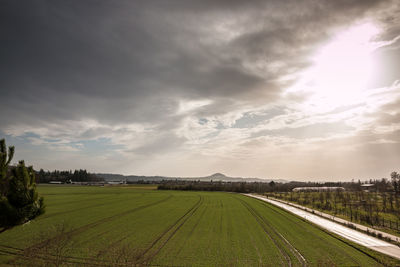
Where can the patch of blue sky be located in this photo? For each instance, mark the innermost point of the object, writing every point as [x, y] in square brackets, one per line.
[211, 135]
[24, 149]
[29, 136]
[203, 121]
[89, 147]
[10, 140]
[97, 146]
[219, 126]
[251, 119]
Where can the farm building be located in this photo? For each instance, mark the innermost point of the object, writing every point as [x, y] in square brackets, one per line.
[368, 187]
[116, 182]
[55, 182]
[317, 189]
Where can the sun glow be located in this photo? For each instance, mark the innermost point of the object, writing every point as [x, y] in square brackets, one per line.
[342, 68]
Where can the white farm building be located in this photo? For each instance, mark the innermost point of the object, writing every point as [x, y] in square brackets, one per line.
[318, 189]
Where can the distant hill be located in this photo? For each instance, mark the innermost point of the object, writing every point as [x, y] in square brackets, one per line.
[214, 177]
[217, 176]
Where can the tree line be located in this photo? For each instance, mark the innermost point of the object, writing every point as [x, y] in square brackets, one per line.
[66, 176]
[381, 185]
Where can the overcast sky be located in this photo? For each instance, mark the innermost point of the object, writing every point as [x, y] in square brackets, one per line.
[306, 90]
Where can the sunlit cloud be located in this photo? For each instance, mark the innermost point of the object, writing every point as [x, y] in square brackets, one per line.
[341, 69]
[261, 88]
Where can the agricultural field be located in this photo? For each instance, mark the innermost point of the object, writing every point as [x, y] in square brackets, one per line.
[139, 225]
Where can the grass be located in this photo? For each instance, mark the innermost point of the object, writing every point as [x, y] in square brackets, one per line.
[117, 226]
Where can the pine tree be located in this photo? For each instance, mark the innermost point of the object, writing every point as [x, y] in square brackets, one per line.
[5, 159]
[19, 202]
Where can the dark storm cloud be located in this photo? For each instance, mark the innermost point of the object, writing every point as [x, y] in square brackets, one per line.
[121, 62]
[130, 60]
[70, 59]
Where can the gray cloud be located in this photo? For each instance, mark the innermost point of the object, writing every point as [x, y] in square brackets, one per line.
[129, 61]
[161, 144]
[386, 65]
[388, 114]
[318, 130]
[64, 64]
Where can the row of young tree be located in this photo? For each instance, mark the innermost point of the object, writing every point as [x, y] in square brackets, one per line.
[210, 186]
[66, 176]
[372, 208]
[395, 176]
[19, 200]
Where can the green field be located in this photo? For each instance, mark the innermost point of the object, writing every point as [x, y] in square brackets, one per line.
[117, 226]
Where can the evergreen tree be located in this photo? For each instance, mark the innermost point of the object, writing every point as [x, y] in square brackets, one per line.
[5, 159]
[19, 202]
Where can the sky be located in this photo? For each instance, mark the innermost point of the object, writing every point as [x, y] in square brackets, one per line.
[299, 90]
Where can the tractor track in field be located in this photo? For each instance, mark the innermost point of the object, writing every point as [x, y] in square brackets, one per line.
[295, 252]
[88, 240]
[74, 201]
[60, 202]
[260, 222]
[78, 209]
[78, 193]
[300, 258]
[283, 213]
[125, 237]
[191, 232]
[257, 250]
[8, 250]
[50, 258]
[80, 261]
[113, 244]
[83, 228]
[145, 257]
